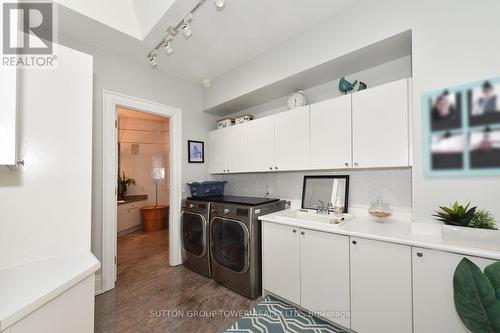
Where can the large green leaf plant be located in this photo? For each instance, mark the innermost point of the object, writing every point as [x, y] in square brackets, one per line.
[477, 296]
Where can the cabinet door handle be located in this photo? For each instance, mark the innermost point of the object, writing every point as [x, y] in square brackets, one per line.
[356, 164]
[270, 168]
[294, 231]
[302, 233]
[276, 167]
[420, 254]
[346, 164]
[354, 242]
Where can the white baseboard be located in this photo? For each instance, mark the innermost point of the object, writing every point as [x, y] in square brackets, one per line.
[98, 284]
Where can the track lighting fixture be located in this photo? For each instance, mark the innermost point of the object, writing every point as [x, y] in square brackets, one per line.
[220, 4]
[167, 48]
[183, 26]
[186, 30]
[153, 58]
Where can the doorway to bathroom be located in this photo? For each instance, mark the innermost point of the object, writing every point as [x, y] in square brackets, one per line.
[143, 190]
[142, 173]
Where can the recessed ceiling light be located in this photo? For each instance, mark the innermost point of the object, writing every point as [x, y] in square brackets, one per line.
[220, 4]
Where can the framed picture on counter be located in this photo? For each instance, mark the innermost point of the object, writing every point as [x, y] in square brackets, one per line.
[462, 130]
[196, 151]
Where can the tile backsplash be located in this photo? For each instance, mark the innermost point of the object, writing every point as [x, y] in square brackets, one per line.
[393, 185]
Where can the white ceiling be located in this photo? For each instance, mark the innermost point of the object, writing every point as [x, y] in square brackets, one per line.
[221, 41]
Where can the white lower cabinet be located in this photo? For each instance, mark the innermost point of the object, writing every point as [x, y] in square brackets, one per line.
[433, 303]
[324, 275]
[280, 261]
[308, 268]
[387, 287]
[381, 295]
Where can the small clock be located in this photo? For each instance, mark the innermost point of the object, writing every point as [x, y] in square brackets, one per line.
[296, 99]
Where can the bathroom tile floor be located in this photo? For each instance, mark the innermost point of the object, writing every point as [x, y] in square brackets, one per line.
[151, 296]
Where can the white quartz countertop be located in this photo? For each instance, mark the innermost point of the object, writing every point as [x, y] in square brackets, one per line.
[417, 234]
[25, 288]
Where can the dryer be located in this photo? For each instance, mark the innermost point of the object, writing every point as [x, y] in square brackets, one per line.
[235, 241]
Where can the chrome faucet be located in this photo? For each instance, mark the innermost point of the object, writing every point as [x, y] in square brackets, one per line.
[322, 209]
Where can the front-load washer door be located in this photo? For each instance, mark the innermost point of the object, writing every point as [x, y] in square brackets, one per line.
[229, 239]
[194, 233]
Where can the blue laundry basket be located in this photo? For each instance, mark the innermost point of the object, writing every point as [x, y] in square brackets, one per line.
[207, 189]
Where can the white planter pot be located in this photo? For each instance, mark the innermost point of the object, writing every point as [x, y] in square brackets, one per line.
[472, 237]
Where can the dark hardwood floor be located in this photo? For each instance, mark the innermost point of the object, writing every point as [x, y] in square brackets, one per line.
[151, 296]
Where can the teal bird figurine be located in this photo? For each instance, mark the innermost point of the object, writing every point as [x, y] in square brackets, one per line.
[362, 86]
[346, 86]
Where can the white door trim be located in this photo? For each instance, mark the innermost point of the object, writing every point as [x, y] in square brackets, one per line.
[112, 100]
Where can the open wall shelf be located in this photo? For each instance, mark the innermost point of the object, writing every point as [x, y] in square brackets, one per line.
[389, 49]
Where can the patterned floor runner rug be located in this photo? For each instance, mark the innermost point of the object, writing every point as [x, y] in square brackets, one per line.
[274, 316]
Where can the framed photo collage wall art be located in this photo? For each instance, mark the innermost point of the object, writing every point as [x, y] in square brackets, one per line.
[462, 130]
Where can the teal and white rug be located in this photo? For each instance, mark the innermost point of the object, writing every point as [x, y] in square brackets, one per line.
[274, 316]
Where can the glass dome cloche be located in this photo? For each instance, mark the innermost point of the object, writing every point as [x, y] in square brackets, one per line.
[380, 210]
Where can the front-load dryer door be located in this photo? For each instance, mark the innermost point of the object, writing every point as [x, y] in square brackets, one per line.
[194, 233]
[229, 239]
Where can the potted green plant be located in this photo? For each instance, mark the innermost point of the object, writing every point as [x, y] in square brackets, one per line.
[123, 183]
[468, 226]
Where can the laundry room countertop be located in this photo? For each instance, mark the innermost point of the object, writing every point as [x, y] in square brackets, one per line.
[25, 288]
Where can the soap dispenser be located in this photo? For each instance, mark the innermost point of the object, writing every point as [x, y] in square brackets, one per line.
[338, 207]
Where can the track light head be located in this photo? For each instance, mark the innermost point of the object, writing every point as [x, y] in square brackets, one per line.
[153, 62]
[167, 48]
[186, 30]
[153, 58]
[220, 4]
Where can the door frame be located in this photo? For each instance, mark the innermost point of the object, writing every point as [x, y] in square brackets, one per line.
[112, 100]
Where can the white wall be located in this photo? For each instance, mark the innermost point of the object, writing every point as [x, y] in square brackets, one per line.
[453, 43]
[139, 80]
[45, 205]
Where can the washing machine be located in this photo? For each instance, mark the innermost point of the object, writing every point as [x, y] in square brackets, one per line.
[194, 228]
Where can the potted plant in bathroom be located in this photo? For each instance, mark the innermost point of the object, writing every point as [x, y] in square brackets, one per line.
[468, 226]
[123, 183]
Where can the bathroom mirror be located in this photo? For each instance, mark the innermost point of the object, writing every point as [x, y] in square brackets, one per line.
[325, 188]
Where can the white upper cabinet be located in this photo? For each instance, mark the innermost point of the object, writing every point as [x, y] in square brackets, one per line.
[331, 133]
[381, 294]
[259, 152]
[236, 143]
[380, 126]
[280, 261]
[365, 129]
[324, 284]
[217, 151]
[8, 112]
[433, 302]
[292, 141]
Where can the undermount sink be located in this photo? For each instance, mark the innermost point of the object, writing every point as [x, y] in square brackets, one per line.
[311, 216]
